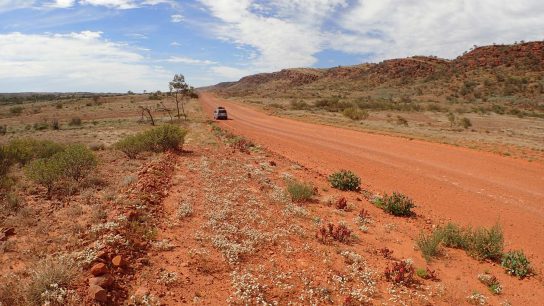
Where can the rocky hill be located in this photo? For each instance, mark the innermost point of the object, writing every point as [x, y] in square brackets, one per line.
[497, 73]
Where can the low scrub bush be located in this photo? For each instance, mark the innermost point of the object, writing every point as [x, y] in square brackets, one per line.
[516, 263]
[299, 191]
[159, 139]
[299, 105]
[75, 162]
[396, 204]
[355, 113]
[5, 162]
[427, 274]
[341, 203]
[465, 123]
[345, 180]
[26, 149]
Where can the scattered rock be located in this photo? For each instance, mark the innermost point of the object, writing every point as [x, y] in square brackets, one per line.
[98, 293]
[104, 281]
[118, 261]
[99, 269]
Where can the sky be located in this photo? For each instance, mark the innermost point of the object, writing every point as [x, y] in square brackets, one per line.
[121, 45]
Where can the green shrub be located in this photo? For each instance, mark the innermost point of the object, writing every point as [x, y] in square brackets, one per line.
[355, 113]
[402, 121]
[159, 139]
[299, 191]
[486, 243]
[43, 172]
[453, 236]
[396, 204]
[429, 245]
[299, 105]
[3, 129]
[345, 180]
[75, 162]
[26, 149]
[40, 126]
[516, 263]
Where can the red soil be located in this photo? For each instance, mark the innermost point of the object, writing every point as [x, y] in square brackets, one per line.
[448, 183]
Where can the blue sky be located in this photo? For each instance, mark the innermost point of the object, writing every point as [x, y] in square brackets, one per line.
[120, 45]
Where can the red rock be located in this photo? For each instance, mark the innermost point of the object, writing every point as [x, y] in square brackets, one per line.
[104, 281]
[118, 261]
[98, 293]
[99, 269]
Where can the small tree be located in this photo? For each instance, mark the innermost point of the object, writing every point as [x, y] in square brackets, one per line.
[451, 119]
[181, 91]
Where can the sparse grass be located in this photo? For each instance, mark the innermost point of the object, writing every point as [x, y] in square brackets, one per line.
[396, 204]
[300, 191]
[429, 245]
[516, 263]
[345, 180]
[49, 275]
[453, 236]
[355, 113]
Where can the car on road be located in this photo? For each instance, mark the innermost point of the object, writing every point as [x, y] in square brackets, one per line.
[220, 113]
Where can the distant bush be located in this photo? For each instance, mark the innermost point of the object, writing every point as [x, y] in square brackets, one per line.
[486, 243]
[159, 139]
[516, 264]
[465, 123]
[345, 180]
[24, 150]
[40, 126]
[396, 204]
[16, 110]
[5, 162]
[402, 121]
[355, 113]
[299, 191]
[299, 105]
[3, 129]
[55, 125]
[76, 121]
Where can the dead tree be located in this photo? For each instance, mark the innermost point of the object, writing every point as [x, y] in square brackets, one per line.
[148, 111]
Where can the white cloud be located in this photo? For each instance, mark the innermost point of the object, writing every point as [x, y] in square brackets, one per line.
[119, 4]
[176, 18]
[175, 44]
[443, 28]
[287, 33]
[190, 61]
[230, 73]
[9, 5]
[82, 61]
[62, 3]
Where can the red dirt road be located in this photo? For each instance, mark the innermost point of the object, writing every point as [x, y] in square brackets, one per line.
[448, 183]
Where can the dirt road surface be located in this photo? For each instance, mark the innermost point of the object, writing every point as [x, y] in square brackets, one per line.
[448, 183]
